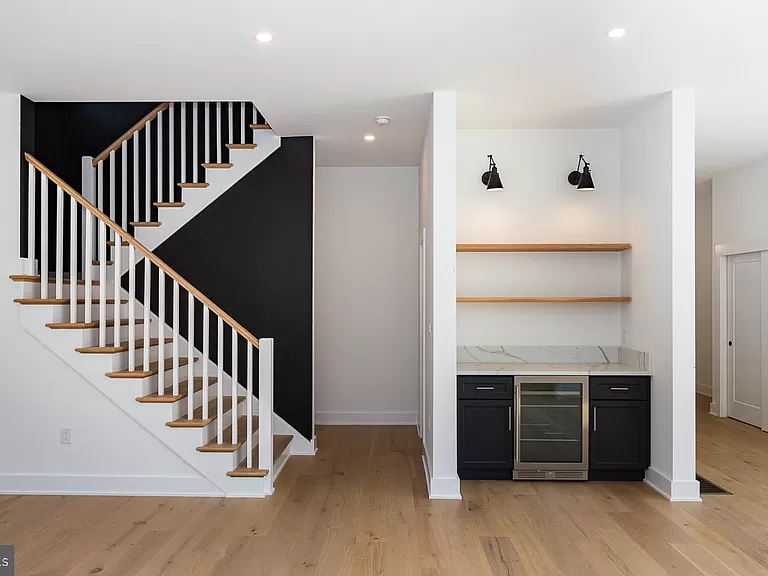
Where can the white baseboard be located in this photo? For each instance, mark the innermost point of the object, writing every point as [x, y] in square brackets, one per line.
[66, 484]
[366, 418]
[705, 389]
[441, 488]
[300, 446]
[680, 491]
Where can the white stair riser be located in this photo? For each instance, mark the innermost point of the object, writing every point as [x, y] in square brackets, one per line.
[60, 312]
[179, 408]
[241, 452]
[34, 290]
[90, 337]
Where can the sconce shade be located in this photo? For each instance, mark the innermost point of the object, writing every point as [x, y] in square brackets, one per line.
[585, 182]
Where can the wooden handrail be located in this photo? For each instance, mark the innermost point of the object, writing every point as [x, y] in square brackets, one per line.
[145, 251]
[138, 126]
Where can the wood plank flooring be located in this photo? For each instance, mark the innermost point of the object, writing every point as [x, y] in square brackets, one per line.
[360, 507]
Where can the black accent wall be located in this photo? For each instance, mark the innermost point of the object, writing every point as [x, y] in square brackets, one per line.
[250, 251]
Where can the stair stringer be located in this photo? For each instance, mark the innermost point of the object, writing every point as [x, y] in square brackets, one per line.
[152, 418]
[197, 199]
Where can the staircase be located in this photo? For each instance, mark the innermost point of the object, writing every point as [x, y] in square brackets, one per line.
[163, 365]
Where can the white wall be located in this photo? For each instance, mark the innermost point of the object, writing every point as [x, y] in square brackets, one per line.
[739, 206]
[366, 281]
[110, 453]
[704, 255]
[437, 213]
[657, 172]
[538, 205]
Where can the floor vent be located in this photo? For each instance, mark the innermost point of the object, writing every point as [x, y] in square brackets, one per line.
[708, 487]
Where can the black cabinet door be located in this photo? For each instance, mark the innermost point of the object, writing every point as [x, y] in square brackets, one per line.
[486, 436]
[619, 436]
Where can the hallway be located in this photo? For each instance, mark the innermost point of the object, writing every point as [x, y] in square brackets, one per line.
[360, 507]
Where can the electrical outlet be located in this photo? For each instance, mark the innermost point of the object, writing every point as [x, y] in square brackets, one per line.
[66, 435]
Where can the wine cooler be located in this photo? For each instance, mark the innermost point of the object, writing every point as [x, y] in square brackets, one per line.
[551, 427]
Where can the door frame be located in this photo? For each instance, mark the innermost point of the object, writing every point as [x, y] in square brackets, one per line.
[422, 330]
[723, 278]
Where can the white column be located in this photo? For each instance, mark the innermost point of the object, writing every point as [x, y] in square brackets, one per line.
[59, 242]
[207, 132]
[136, 213]
[123, 191]
[190, 354]
[147, 307]
[148, 172]
[183, 142]
[171, 153]
[31, 226]
[44, 275]
[195, 143]
[112, 193]
[103, 292]
[220, 383]
[73, 206]
[206, 358]
[160, 194]
[175, 337]
[234, 385]
[161, 332]
[117, 291]
[88, 265]
[218, 133]
[131, 308]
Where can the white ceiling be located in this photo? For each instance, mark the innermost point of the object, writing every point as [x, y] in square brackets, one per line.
[335, 64]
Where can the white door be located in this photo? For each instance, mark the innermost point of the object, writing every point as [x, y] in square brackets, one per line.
[745, 338]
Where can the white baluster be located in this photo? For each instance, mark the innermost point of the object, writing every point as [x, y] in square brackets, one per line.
[112, 193]
[44, 236]
[183, 142]
[131, 308]
[171, 157]
[194, 142]
[88, 265]
[136, 215]
[73, 206]
[100, 186]
[123, 191]
[242, 121]
[190, 354]
[160, 194]
[147, 307]
[206, 356]
[148, 172]
[207, 132]
[266, 362]
[116, 340]
[249, 409]
[218, 133]
[175, 338]
[59, 242]
[220, 383]
[103, 292]
[231, 134]
[234, 386]
[161, 332]
[31, 227]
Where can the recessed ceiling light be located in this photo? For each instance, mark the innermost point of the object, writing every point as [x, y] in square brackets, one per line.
[616, 33]
[369, 137]
[263, 37]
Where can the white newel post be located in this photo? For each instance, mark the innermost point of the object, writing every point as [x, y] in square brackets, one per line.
[266, 379]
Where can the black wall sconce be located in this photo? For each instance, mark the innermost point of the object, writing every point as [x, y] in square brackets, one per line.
[491, 178]
[582, 180]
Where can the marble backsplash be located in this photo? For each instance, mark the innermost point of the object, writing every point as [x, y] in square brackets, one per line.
[554, 354]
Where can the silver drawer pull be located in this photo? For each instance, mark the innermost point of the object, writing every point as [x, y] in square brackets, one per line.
[485, 388]
[620, 389]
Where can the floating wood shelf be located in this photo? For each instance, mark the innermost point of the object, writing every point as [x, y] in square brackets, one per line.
[583, 247]
[544, 299]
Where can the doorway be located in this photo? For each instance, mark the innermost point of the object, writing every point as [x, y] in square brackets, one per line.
[745, 355]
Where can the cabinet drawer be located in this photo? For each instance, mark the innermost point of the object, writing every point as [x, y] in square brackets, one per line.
[486, 387]
[620, 388]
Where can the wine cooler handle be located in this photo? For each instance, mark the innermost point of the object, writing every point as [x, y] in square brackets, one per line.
[594, 418]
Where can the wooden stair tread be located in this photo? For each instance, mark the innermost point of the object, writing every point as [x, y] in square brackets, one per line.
[60, 301]
[226, 445]
[98, 262]
[221, 165]
[197, 420]
[139, 372]
[279, 444]
[169, 204]
[169, 397]
[261, 127]
[122, 243]
[36, 280]
[87, 325]
[241, 146]
[193, 184]
[146, 224]
[139, 344]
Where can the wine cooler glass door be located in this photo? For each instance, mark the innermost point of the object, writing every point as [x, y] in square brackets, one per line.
[551, 423]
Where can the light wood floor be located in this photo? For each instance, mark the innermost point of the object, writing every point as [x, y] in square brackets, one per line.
[360, 507]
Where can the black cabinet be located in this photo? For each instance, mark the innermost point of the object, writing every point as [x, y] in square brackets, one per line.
[619, 428]
[486, 437]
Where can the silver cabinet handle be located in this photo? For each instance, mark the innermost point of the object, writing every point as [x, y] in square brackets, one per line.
[594, 418]
[619, 388]
[484, 388]
[510, 418]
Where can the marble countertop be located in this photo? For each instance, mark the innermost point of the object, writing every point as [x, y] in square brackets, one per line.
[547, 369]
